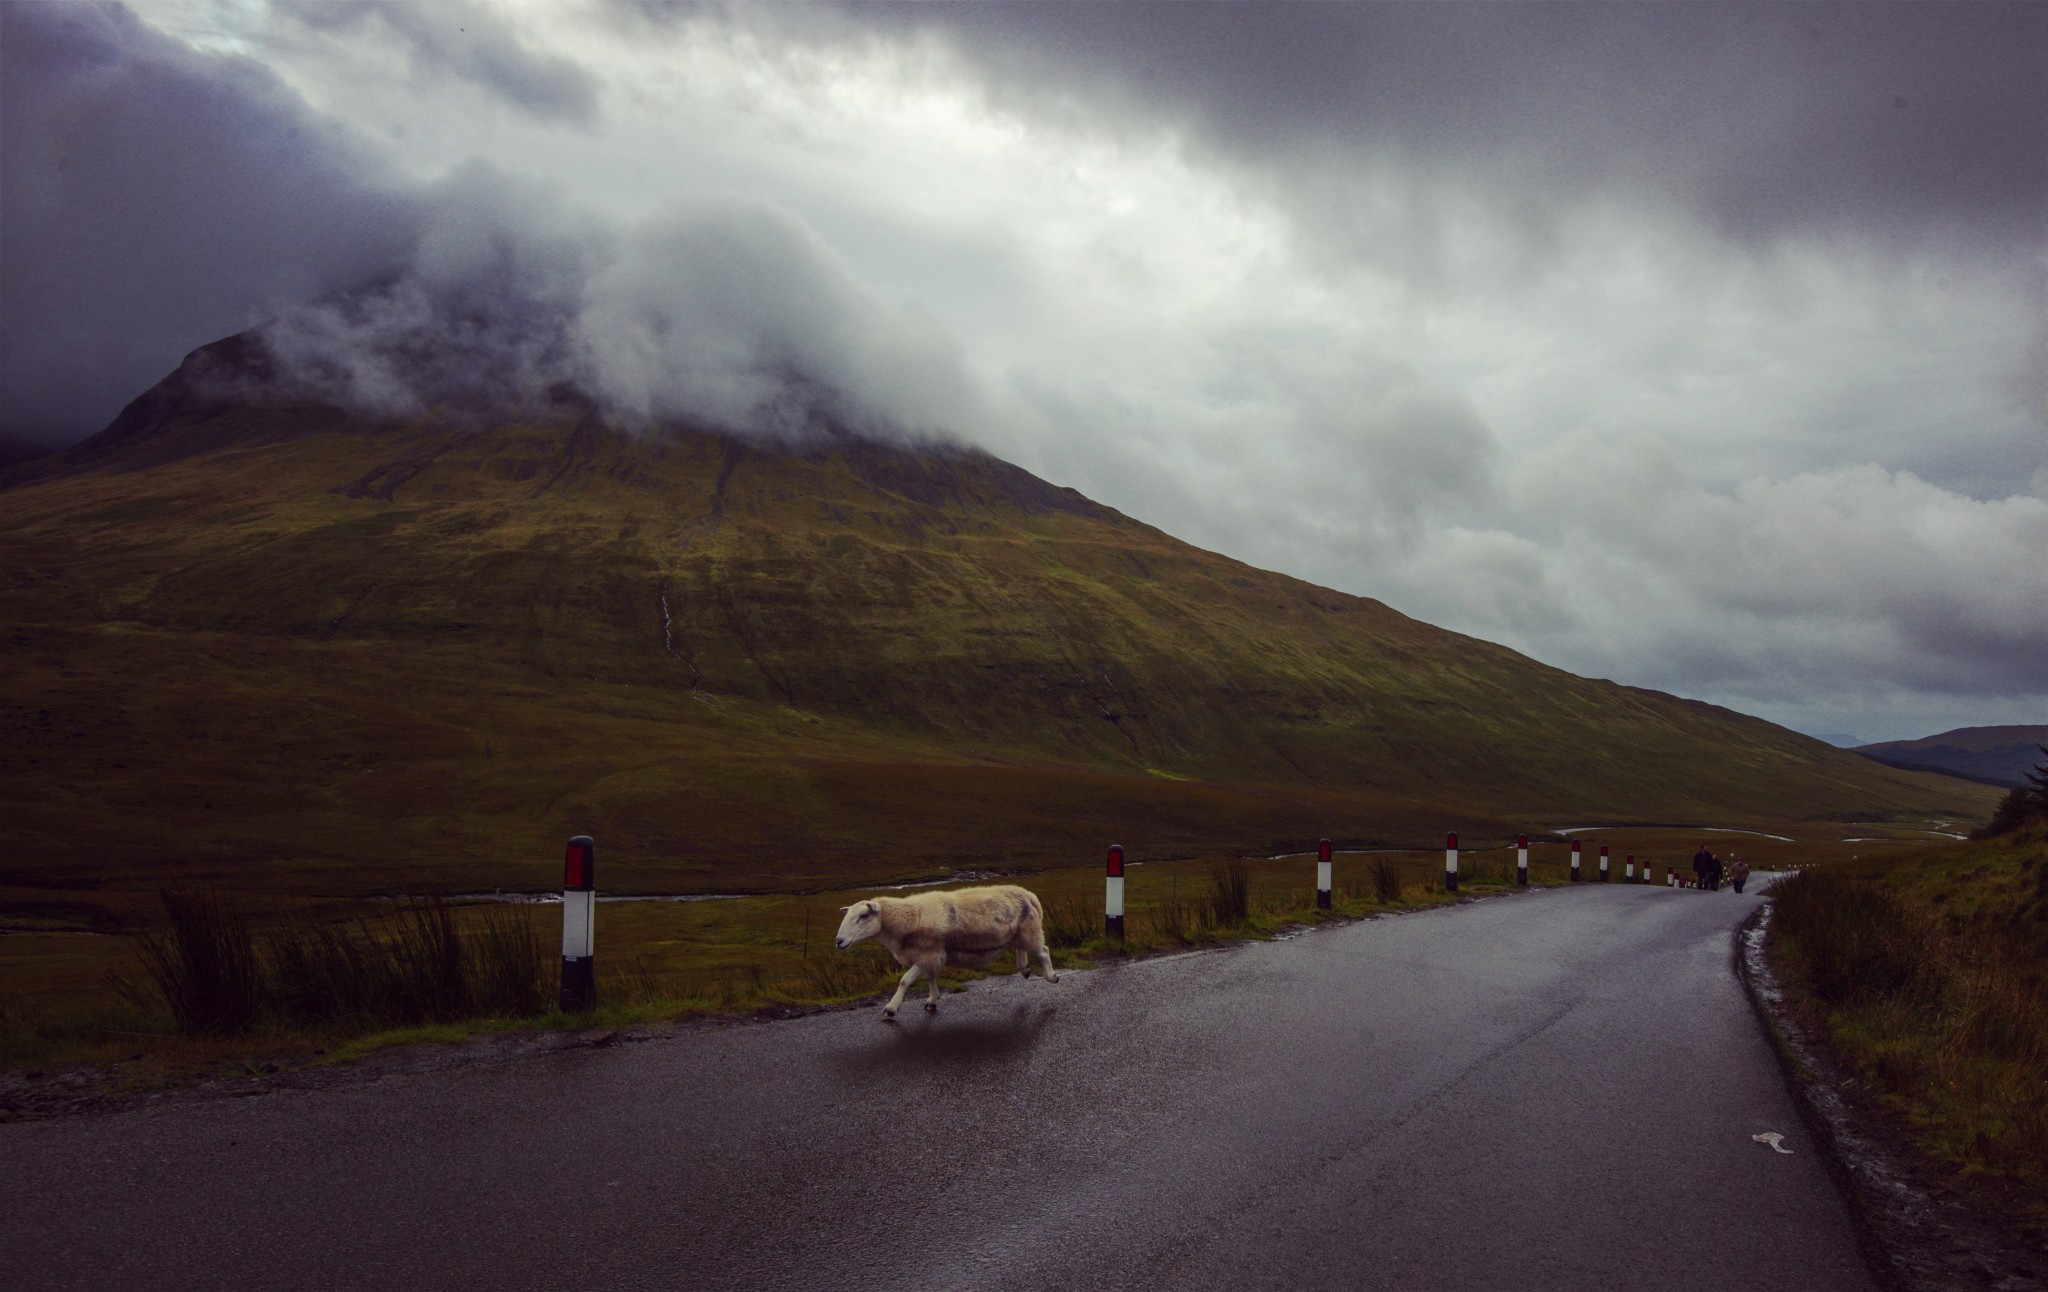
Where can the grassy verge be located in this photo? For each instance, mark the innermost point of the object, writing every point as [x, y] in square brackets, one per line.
[213, 979]
[1928, 971]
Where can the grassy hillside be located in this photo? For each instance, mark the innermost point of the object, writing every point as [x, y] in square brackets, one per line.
[290, 649]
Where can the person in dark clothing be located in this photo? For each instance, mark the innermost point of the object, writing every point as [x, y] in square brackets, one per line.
[1738, 874]
[1702, 861]
[1713, 873]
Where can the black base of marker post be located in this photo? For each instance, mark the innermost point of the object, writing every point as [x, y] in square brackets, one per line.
[579, 927]
[1323, 875]
[1113, 894]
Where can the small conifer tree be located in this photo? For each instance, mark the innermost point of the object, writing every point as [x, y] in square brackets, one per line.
[2026, 803]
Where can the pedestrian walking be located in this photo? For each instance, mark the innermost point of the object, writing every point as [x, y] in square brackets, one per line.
[1701, 861]
[1738, 874]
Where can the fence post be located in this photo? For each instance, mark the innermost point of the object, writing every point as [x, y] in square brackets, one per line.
[1603, 863]
[1323, 875]
[579, 927]
[1113, 896]
[1451, 862]
[1522, 861]
[1576, 845]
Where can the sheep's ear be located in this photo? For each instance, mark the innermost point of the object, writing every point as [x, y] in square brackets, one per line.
[874, 908]
[844, 909]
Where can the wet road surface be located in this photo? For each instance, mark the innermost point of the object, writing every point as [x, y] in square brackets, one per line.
[1554, 1090]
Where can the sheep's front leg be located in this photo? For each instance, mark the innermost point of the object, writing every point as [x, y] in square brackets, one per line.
[909, 977]
[1023, 963]
[1045, 957]
[931, 1001]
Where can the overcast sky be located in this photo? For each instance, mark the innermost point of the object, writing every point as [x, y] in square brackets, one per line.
[1702, 347]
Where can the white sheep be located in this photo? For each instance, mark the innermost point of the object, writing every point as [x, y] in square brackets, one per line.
[967, 926]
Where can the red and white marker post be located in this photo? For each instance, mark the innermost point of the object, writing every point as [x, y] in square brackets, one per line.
[1521, 861]
[1113, 895]
[1323, 875]
[1629, 870]
[1603, 863]
[579, 927]
[1576, 846]
[1451, 862]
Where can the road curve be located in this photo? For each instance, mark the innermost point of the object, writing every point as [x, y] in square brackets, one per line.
[1553, 1090]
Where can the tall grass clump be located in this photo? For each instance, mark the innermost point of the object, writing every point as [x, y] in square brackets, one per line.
[1072, 920]
[1179, 917]
[1386, 880]
[204, 965]
[1230, 894]
[1856, 940]
[420, 964]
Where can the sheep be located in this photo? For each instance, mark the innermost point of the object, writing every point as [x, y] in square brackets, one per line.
[967, 926]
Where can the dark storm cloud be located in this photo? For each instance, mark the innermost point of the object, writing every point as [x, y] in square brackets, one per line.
[156, 198]
[1904, 121]
[471, 42]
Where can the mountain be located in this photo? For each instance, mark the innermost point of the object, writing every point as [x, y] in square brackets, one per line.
[277, 644]
[1992, 755]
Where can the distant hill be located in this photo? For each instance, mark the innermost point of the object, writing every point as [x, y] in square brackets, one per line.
[1991, 755]
[1839, 739]
[259, 643]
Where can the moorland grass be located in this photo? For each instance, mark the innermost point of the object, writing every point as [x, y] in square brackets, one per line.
[1928, 971]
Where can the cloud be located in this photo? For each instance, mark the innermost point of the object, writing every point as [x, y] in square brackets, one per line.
[1836, 582]
[155, 198]
[1905, 122]
[736, 314]
[469, 41]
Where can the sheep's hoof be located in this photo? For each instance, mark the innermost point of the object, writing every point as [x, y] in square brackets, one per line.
[1052, 977]
[931, 1007]
[887, 1013]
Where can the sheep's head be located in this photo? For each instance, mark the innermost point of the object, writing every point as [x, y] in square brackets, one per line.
[863, 920]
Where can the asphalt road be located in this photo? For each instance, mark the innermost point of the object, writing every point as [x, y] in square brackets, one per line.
[1550, 1090]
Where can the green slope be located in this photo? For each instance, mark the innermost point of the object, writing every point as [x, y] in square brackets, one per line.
[291, 648]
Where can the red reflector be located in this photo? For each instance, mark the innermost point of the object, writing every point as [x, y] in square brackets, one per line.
[1521, 841]
[1323, 850]
[1603, 850]
[1451, 840]
[1116, 860]
[572, 868]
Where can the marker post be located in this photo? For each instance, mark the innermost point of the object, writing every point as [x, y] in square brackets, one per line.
[1603, 863]
[1521, 861]
[1451, 862]
[1113, 895]
[579, 927]
[1576, 846]
[1323, 875]
[1629, 871]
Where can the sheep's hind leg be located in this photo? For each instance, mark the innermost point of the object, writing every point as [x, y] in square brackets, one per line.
[1045, 956]
[896, 1001]
[1023, 963]
[931, 1000]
